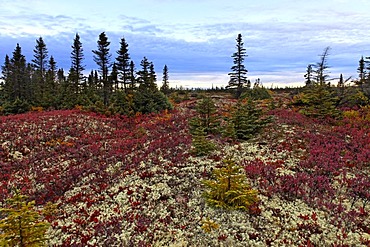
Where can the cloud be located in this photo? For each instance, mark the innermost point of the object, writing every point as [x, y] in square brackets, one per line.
[277, 45]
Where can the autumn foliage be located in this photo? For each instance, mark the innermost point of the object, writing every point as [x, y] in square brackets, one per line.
[300, 181]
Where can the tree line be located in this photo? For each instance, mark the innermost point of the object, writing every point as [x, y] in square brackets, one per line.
[118, 86]
[116, 83]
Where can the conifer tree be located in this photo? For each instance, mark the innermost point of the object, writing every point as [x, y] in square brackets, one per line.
[361, 71]
[6, 81]
[144, 79]
[207, 118]
[52, 87]
[60, 76]
[102, 59]
[364, 76]
[40, 57]
[21, 225]
[5, 69]
[132, 78]
[247, 120]
[16, 77]
[238, 76]
[40, 63]
[308, 76]
[77, 66]
[321, 67]
[341, 81]
[91, 90]
[147, 98]
[341, 91]
[200, 144]
[320, 101]
[367, 70]
[152, 77]
[165, 88]
[123, 63]
[228, 188]
[114, 77]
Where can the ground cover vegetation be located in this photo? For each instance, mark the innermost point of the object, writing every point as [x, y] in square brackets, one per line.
[241, 167]
[134, 181]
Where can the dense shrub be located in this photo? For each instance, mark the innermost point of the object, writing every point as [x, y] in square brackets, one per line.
[318, 101]
[147, 101]
[257, 93]
[15, 107]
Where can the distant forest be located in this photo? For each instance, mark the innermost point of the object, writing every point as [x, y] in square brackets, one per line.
[115, 82]
[118, 87]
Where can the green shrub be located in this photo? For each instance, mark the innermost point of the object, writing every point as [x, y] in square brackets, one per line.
[257, 93]
[147, 101]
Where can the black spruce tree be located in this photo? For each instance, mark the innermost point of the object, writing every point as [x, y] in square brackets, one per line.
[238, 76]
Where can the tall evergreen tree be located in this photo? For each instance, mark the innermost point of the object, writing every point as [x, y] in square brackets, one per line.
[367, 70]
[102, 59]
[40, 57]
[51, 82]
[132, 78]
[60, 76]
[114, 76]
[77, 58]
[308, 76]
[5, 69]
[40, 63]
[321, 67]
[152, 77]
[123, 63]
[165, 88]
[92, 86]
[144, 74]
[320, 100]
[16, 84]
[361, 71]
[238, 78]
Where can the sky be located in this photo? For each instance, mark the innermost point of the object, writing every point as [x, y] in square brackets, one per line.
[196, 38]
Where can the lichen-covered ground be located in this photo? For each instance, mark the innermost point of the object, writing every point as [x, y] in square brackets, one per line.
[132, 181]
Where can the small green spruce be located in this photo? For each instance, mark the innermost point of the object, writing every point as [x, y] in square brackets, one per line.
[200, 144]
[207, 117]
[247, 120]
[229, 188]
[20, 224]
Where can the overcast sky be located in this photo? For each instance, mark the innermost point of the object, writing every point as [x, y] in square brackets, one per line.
[196, 38]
